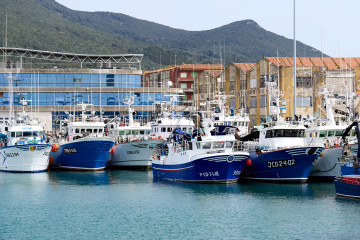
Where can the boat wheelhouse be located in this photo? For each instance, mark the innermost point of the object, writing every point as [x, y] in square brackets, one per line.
[84, 146]
[25, 149]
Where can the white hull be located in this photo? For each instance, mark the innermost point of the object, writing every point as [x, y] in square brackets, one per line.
[25, 158]
[329, 164]
[134, 154]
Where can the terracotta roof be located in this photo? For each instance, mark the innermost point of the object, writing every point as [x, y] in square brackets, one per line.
[159, 70]
[244, 66]
[328, 63]
[306, 62]
[201, 66]
[214, 73]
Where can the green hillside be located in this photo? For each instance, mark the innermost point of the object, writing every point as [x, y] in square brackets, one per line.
[47, 25]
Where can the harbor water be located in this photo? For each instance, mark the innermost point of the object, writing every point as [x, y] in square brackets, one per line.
[121, 204]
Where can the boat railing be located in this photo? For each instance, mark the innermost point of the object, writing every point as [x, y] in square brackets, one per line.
[350, 180]
[247, 146]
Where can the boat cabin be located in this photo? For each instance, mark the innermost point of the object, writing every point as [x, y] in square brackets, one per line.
[78, 130]
[279, 137]
[25, 134]
[329, 136]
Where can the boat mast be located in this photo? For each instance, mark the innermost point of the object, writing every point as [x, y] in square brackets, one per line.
[294, 97]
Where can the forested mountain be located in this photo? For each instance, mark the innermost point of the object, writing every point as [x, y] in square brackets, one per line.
[48, 25]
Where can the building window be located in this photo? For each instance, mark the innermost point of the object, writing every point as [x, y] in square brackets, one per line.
[263, 79]
[183, 85]
[253, 102]
[183, 75]
[262, 101]
[304, 101]
[253, 83]
[303, 82]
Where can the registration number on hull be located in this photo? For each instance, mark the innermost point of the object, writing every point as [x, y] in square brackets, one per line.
[281, 163]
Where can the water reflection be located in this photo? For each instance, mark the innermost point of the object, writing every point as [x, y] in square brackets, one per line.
[260, 189]
[80, 178]
[100, 178]
[23, 178]
[131, 176]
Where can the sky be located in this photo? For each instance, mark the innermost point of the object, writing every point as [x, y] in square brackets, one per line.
[331, 26]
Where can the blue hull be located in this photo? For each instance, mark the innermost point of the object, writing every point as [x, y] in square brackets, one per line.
[349, 170]
[347, 189]
[287, 165]
[214, 169]
[82, 155]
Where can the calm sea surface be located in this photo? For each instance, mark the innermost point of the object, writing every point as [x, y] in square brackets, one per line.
[130, 205]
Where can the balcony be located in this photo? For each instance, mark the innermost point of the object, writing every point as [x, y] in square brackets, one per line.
[188, 89]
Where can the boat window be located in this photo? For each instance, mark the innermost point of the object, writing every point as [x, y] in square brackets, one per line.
[352, 133]
[89, 130]
[163, 129]
[287, 133]
[190, 130]
[100, 130]
[229, 144]
[135, 132]
[95, 130]
[142, 132]
[206, 145]
[322, 134]
[121, 133]
[338, 133]
[198, 145]
[184, 129]
[169, 129]
[18, 134]
[27, 134]
[268, 134]
[77, 130]
[82, 130]
[36, 134]
[12, 134]
[219, 145]
[331, 133]
[151, 145]
[127, 132]
[147, 132]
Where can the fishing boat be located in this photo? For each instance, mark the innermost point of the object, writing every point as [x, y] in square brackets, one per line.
[25, 149]
[215, 115]
[163, 126]
[203, 157]
[84, 146]
[198, 160]
[134, 144]
[348, 184]
[329, 134]
[280, 154]
[279, 151]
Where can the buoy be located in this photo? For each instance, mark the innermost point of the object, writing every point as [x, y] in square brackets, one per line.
[111, 151]
[248, 162]
[51, 159]
[55, 147]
